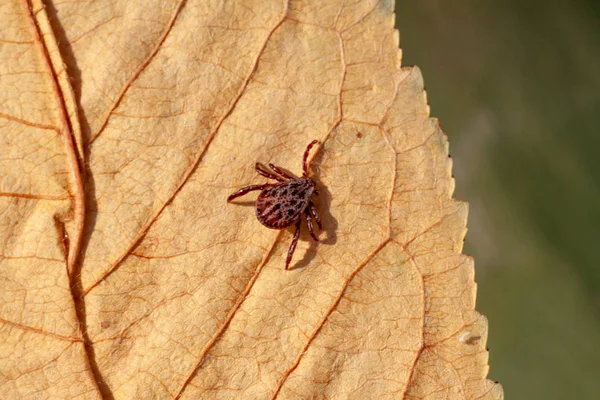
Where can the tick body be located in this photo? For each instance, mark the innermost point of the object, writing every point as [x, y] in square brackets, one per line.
[283, 204]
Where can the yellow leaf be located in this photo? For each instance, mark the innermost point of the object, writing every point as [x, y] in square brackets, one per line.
[124, 126]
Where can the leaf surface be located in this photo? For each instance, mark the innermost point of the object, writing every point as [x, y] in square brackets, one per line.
[125, 274]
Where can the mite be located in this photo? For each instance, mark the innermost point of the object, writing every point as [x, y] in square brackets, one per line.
[282, 204]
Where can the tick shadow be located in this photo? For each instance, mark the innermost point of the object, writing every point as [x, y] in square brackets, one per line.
[322, 202]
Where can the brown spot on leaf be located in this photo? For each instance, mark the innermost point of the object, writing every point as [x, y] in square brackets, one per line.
[472, 340]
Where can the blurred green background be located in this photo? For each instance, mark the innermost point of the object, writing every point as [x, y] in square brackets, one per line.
[516, 86]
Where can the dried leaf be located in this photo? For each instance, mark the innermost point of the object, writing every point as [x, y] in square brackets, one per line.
[125, 274]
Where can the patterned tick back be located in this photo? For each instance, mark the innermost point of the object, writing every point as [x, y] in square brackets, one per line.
[282, 205]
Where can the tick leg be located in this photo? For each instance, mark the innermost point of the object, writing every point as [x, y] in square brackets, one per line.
[313, 213]
[247, 189]
[263, 171]
[280, 171]
[311, 228]
[293, 245]
[305, 158]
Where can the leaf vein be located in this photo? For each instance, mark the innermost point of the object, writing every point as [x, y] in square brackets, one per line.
[192, 167]
[67, 136]
[140, 69]
[40, 331]
[33, 196]
[327, 314]
[44, 37]
[218, 334]
[28, 123]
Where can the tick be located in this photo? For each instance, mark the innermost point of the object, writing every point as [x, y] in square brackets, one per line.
[282, 204]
